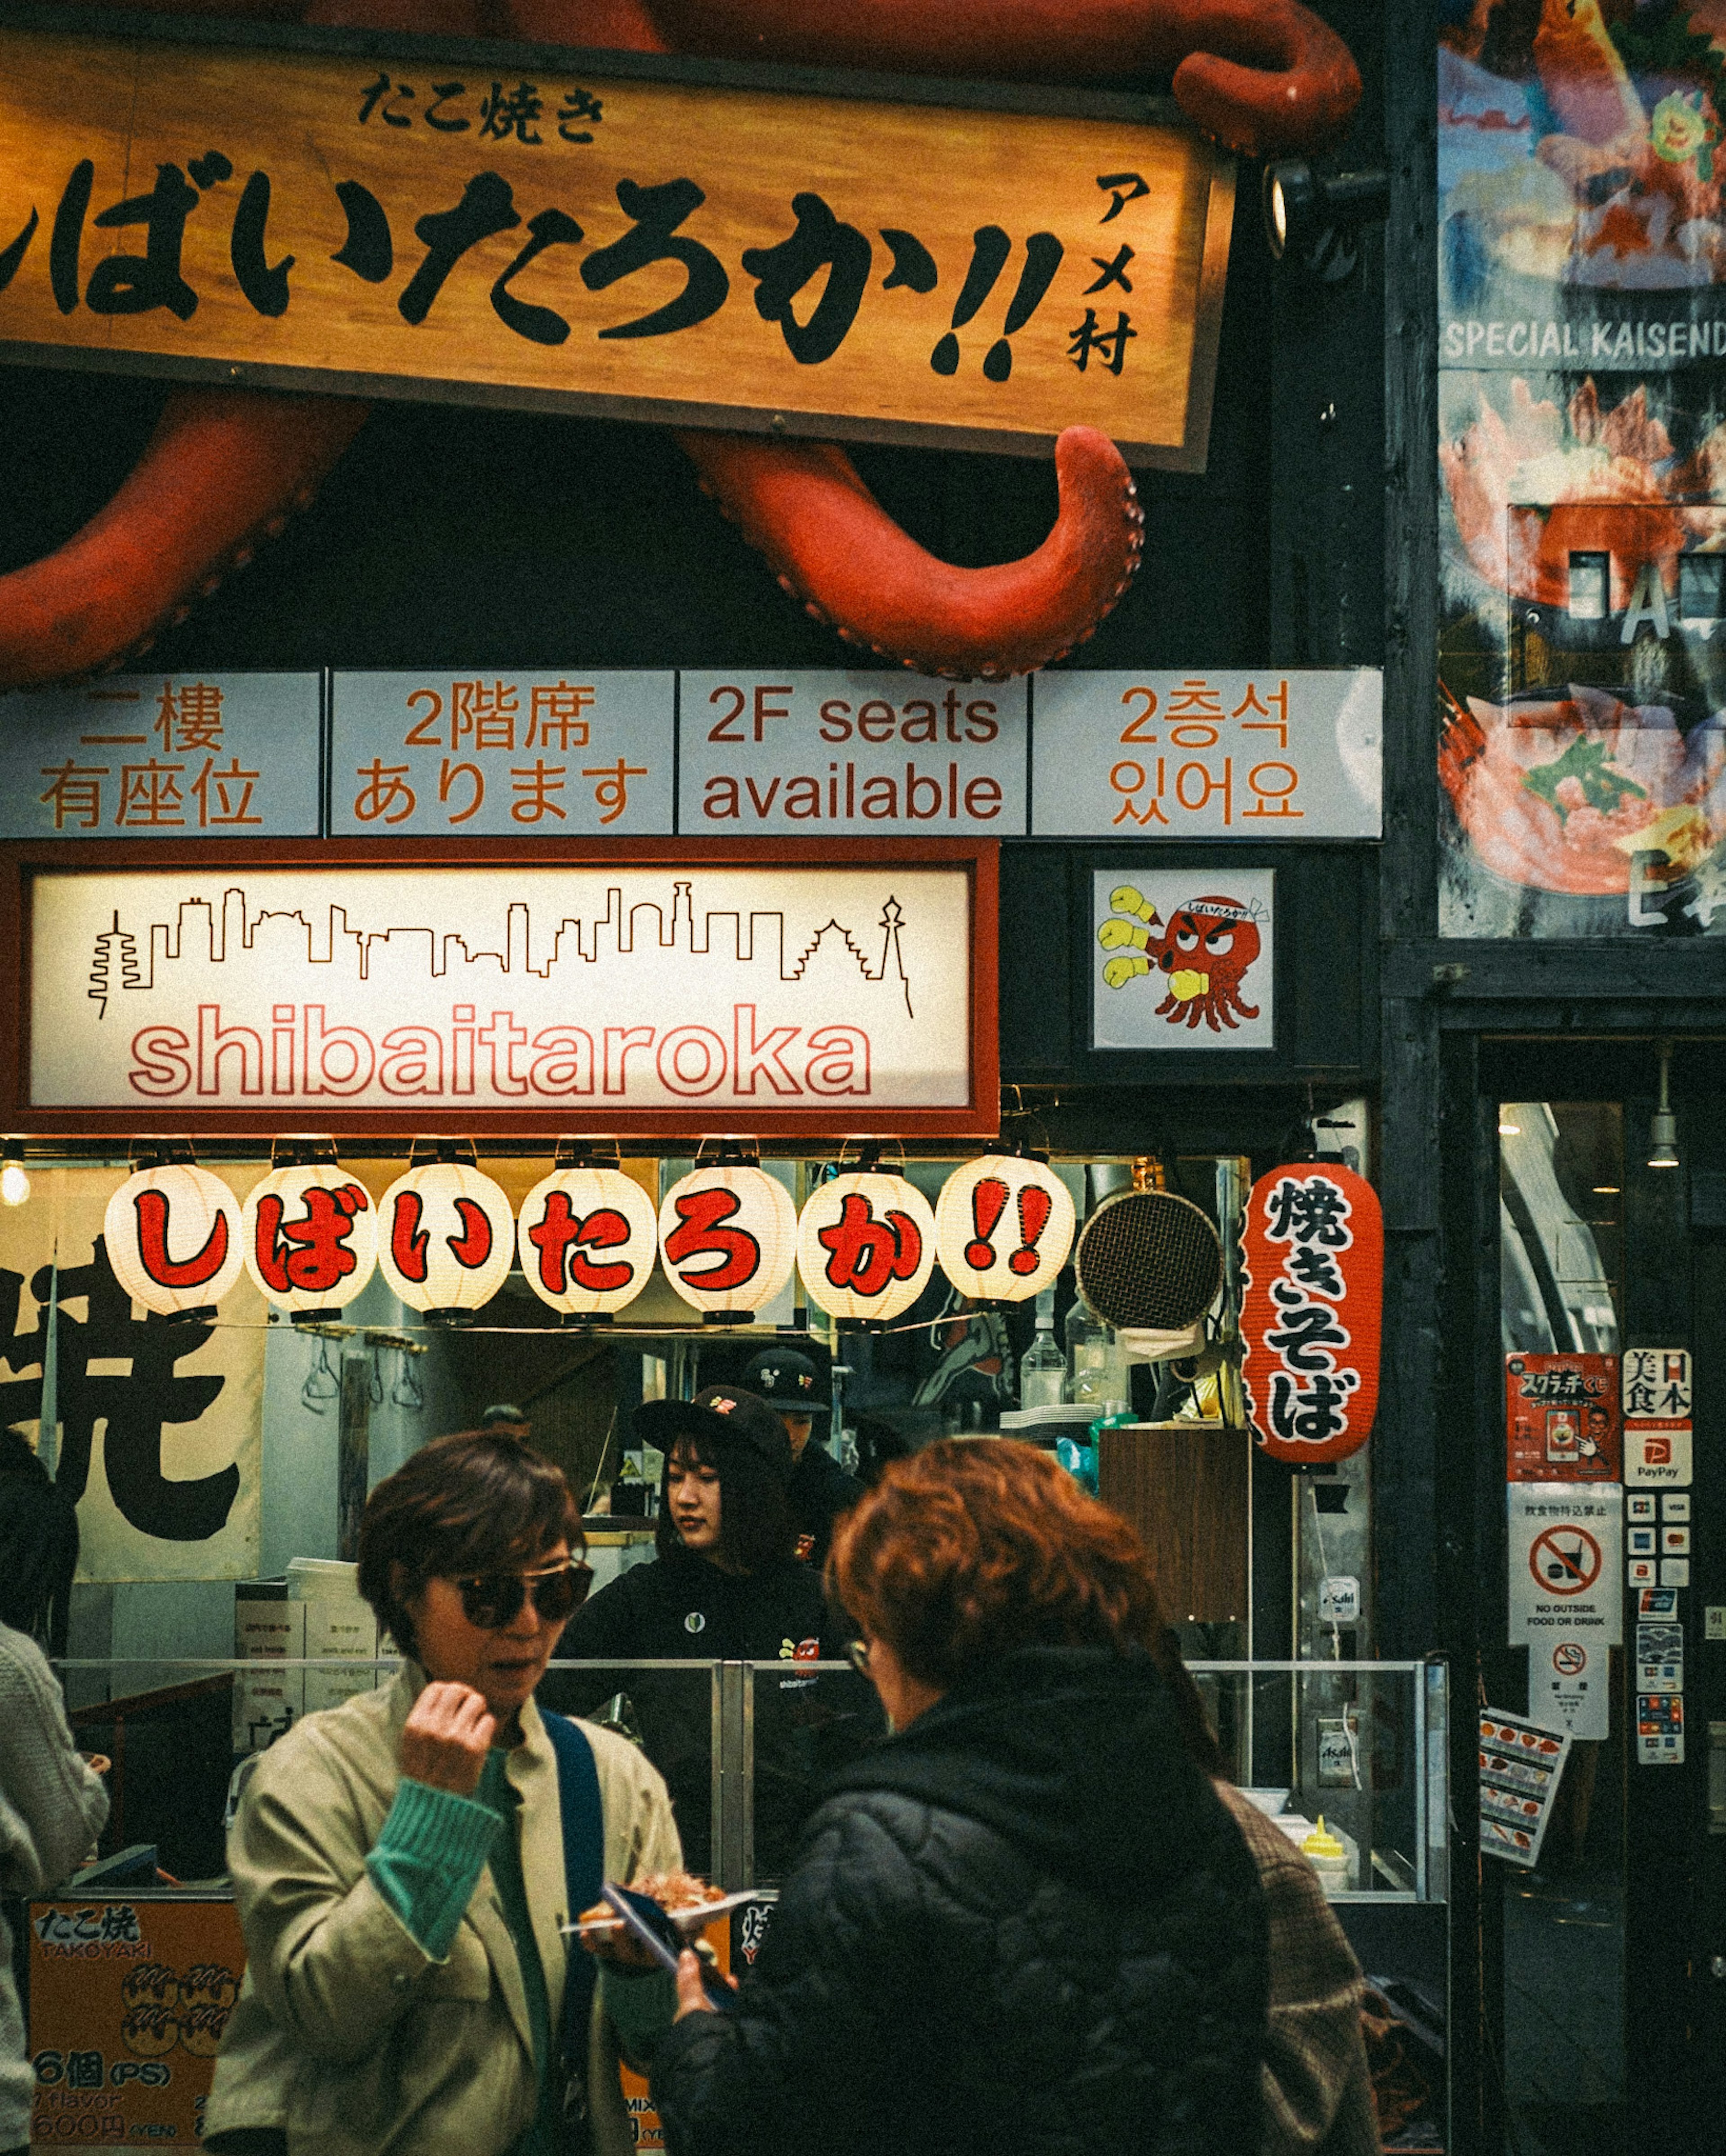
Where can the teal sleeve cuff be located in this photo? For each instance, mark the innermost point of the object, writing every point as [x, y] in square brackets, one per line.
[640, 2007]
[427, 1860]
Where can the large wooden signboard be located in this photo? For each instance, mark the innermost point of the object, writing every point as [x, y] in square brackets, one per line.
[535, 227]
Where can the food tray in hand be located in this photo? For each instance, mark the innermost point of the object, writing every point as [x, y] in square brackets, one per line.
[690, 1920]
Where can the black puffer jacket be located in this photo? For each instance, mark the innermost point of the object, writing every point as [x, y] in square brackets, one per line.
[1027, 1924]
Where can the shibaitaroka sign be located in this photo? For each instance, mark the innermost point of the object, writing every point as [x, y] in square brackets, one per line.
[552, 230]
[711, 993]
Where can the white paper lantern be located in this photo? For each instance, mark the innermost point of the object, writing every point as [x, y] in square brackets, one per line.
[311, 1237]
[587, 1238]
[1004, 1227]
[446, 1237]
[728, 1239]
[866, 1246]
[174, 1238]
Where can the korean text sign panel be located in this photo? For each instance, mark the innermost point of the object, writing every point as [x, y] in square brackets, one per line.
[641, 247]
[1270, 754]
[631, 997]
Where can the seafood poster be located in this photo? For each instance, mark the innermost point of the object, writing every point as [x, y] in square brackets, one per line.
[128, 2001]
[1582, 722]
[1184, 958]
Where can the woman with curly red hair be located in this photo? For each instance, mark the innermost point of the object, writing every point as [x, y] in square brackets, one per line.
[1027, 1922]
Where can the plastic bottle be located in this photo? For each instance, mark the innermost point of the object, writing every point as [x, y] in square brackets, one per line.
[1095, 1371]
[1042, 1368]
[1328, 1858]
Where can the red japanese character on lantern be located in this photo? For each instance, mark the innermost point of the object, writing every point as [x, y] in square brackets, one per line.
[866, 1246]
[727, 1238]
[588, 1237]
[447, 1237]
[309, 1237]
[173, 1237]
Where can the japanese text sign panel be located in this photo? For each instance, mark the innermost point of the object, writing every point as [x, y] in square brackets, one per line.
[560, 233]
[1657, 1434]
[1657, 1385]
[1184, 958]
[1561, 1418]
[1312, 1310]
[128, 2001]
[1566, 1550]
[163, 756]
[1521, 1765]
[876, 754]
[1272, 754]
[792, 998]
[563, 752]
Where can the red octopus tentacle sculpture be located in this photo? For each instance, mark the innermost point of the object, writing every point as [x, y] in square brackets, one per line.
[224, 470]
[224, 467]
[833, 547]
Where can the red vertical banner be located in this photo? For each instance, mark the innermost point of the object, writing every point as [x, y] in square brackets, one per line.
[1311, 1316]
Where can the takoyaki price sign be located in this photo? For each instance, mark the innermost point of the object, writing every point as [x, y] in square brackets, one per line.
[128, 2001]
[513, 995]
[543, 228]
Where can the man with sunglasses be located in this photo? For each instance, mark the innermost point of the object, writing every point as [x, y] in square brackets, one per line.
[405, 1863]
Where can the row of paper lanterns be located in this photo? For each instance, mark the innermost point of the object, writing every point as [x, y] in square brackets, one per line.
[445, 1238]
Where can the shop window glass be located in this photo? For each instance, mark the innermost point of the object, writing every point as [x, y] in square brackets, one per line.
[1560, 1185]
[1561, 1182]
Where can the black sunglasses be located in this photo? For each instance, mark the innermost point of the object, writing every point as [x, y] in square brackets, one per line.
[493, 1600]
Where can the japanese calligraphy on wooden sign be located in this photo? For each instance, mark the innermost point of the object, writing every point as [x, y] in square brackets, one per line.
[160, 756]
[1274, 754]
[561, 234]
[1312, 1314]
[517, 993]
[1561, 1418]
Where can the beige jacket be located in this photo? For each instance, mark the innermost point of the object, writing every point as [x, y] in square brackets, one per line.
[347, 2034]
[1318, 2095]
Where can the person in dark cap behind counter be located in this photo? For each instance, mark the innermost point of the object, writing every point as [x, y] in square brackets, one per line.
[724, 1587]
[820, 1489]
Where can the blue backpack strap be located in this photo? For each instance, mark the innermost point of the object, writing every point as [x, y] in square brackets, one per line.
[584, 1872]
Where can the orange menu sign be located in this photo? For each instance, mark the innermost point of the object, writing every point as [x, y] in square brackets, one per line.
[128, 2000]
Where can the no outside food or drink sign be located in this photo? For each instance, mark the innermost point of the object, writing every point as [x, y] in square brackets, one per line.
[1566, 1558]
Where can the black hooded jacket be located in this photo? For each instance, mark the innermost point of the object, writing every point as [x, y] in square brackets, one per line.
[1026, 1924]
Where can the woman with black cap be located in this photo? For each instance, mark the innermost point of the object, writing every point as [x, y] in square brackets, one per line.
[820, 1489]
[726, 1586]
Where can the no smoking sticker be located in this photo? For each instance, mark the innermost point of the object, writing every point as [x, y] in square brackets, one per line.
[1572, 1695]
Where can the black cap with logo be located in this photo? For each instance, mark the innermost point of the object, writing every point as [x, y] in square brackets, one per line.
[720, 1415]
[788, 1381]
